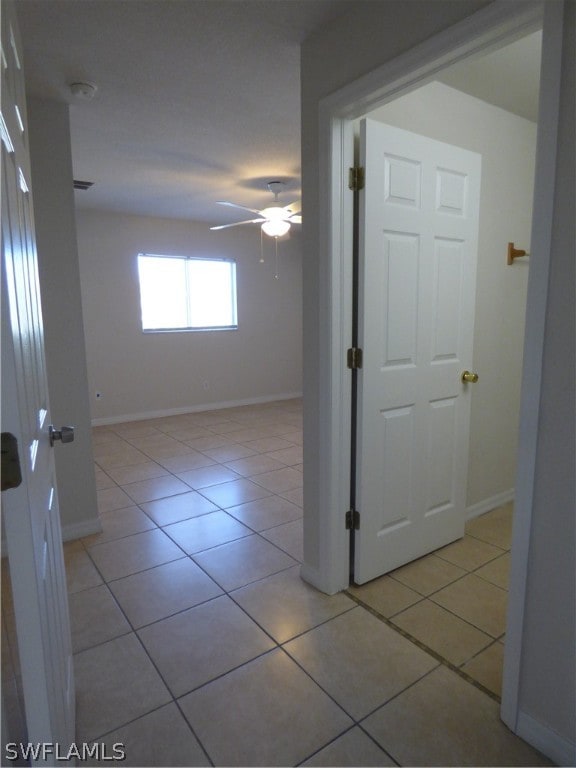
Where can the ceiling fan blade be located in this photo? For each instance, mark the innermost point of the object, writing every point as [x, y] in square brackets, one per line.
[295, 205]
[295, 219]
[235, 205]
[238, 223]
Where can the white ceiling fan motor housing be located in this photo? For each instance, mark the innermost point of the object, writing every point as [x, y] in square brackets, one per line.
[276, 187]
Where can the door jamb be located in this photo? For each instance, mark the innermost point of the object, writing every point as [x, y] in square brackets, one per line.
[490, 28]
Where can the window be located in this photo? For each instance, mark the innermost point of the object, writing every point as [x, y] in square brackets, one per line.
[178, 293]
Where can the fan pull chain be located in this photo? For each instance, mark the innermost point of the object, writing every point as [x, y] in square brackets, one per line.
[276, 276]
[261, 246]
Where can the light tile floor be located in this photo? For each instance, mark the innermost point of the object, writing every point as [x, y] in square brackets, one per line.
[197, 643]
[454, 600]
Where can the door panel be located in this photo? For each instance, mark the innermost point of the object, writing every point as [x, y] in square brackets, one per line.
[440, 459]
[397, 430]
[447, 307]
[400, 294]
[418, 242]
[30, 511]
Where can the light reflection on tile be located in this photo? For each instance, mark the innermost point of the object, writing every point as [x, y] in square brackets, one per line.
[162, 591]
[206, 531]
[234, 492]
[197, 645]
[243, 561]
[285, 606]
[131, 554]
[360, 661]
[179, 507]
[288, 537]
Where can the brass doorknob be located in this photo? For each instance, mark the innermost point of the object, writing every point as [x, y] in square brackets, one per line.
[469, 378]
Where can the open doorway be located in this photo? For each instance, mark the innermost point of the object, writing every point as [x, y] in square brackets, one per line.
[454, 601]
[389, 72]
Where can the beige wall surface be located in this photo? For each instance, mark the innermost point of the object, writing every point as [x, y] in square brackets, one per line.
[548, 667]
[51, 162]
[507, 144]
[142, 374]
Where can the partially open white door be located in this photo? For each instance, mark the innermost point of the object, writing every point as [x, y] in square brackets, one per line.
[30, 510]
[418, 249]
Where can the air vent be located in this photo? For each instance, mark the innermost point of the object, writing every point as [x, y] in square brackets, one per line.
[82, 184]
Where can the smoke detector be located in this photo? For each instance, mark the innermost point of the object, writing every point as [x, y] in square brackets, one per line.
[83, 91]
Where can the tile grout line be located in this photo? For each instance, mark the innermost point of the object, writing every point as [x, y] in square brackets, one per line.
[394, 760]
[339, 736]
[173, 698]
[450, 583]
[457, 616]
[431, 595]
[358, 722]
[426, 648]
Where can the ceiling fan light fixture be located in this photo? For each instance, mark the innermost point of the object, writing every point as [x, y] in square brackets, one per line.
[275, 213]
[275, 220]
[276, 227]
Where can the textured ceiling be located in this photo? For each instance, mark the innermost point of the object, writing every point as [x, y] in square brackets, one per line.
[197, 101]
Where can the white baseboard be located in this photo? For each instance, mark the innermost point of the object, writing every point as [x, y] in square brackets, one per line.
[543, 738]
[78, 530]
[100, 422]
[490, 503]
[70, 532]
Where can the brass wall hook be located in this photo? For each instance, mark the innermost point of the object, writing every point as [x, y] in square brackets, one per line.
[514, 253]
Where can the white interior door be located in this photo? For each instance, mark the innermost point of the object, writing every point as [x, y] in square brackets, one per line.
[418, 250]
[30, 511]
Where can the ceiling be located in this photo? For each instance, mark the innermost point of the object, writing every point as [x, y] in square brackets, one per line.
[197, 100]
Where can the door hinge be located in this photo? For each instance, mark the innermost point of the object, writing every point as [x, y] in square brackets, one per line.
[352, 520]
[354, 358]
[356, 178]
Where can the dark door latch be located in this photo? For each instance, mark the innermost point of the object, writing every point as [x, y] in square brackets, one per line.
[11, 473]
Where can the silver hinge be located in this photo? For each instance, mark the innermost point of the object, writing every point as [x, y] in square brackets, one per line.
[356, 178]
[352, 519]
[354, 358]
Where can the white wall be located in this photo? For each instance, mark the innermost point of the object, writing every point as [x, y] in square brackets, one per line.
[51, 164]
[507, 144]
[145, 374]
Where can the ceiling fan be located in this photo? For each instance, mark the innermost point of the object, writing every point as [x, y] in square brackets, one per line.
[275, 220]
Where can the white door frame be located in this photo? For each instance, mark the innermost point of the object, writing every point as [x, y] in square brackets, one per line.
[490, 28]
